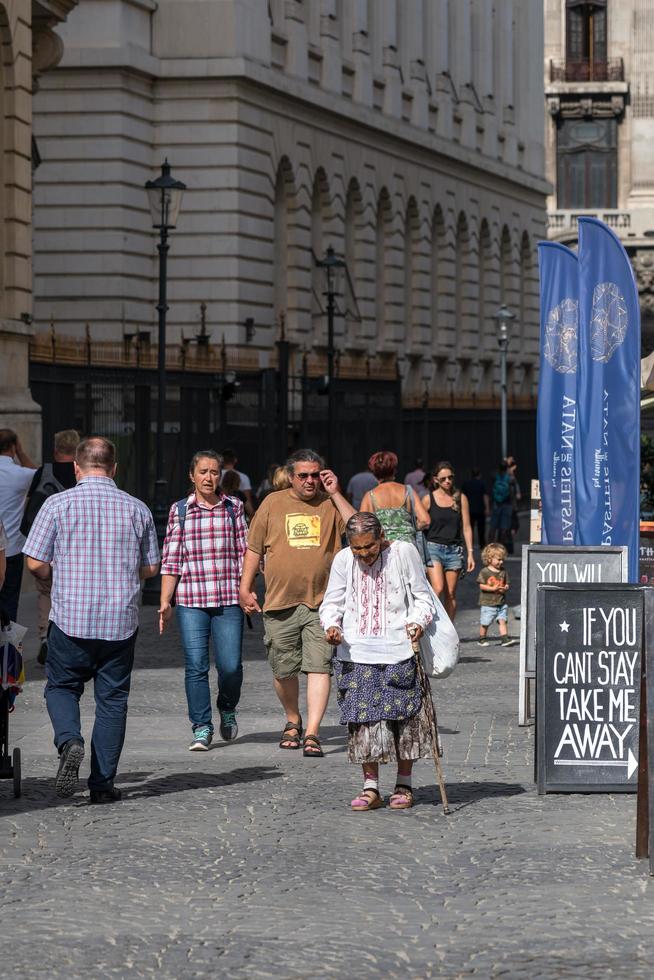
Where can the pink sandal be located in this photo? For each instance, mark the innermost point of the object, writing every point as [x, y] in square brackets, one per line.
[362, 802]
[401, 798]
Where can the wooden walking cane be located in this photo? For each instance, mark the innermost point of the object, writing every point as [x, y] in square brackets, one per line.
[425, 690]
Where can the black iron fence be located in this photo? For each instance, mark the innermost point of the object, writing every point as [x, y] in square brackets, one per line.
[262, 414]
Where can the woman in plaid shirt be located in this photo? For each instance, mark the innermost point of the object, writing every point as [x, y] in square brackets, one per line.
[202, 559]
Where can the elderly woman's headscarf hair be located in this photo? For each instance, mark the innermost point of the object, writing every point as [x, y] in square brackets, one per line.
[363, 523]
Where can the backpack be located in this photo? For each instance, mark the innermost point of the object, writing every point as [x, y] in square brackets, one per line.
[181, 513]
[501, 490]
[47, 485]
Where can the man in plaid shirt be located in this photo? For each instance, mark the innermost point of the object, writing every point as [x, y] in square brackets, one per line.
[97, 542]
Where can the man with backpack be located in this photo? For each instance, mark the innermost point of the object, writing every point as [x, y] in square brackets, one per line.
[49, 479]
[500, 521]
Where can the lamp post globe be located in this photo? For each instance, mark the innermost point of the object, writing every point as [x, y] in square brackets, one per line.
[165, 199]
[503, 320]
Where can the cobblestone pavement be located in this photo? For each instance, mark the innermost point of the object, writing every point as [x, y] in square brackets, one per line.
[246, 861]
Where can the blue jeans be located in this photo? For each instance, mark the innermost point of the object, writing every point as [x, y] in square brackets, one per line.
[450, 556]
[71, 663]
[221, 627]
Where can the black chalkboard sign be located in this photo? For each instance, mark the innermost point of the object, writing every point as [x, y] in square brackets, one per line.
[589, 642]
[550, 564]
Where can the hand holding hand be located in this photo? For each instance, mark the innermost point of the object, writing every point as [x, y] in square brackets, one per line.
[333, 636]
[248, 603]
[165, 615]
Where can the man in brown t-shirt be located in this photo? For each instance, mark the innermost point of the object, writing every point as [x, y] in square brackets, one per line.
[297, 532]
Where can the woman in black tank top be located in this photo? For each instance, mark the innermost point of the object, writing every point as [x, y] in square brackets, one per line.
[449, 538]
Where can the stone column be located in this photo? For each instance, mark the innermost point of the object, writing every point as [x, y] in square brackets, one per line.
[18, 410]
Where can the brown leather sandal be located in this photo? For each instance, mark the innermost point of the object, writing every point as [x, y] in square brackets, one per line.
[403, 797]
[363, 802]
[312, 747]
[294, 740]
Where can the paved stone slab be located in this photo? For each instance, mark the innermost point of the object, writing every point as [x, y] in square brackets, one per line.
[246, 862]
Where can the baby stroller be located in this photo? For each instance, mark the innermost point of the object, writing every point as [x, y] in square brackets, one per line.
[12, 676]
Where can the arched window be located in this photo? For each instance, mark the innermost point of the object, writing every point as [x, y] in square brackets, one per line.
[280, 239]
[462, 248]
[437, 276]
[505, 266]
[319, 213]
[382, 243]
[353, 241]
[486, 325]
[525, 283]
[411, 247]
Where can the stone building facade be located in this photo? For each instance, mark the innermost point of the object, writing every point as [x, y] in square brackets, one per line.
[599, 88]
[29, 47]
[406, 134]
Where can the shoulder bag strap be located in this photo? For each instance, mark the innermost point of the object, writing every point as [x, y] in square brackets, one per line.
[181, 513]
[230, 510]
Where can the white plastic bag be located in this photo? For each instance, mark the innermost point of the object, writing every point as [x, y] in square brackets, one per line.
[439, 644]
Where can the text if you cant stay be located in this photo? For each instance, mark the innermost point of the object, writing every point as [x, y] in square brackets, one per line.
[596, 686]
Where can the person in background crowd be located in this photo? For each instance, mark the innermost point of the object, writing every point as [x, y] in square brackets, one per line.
[97, 542]
[281, 479]
[493, 587]
[266, 487]
[16, 473]
[202, 559]
[377, 600]
[358, 487]
[49, 478]
[449, 533]
[398, 508]
[230, 460]
[502, 512]
[3, 554]
[230, 485]
[478, 501]
[297, 532]
[516, 497]
[416, 477]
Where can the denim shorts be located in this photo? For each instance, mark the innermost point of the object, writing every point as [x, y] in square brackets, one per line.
[450, 556]
[488, 614]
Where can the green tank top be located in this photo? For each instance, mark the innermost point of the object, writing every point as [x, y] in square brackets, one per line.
[397, 522]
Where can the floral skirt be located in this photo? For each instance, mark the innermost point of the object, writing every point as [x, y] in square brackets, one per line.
[381, 704]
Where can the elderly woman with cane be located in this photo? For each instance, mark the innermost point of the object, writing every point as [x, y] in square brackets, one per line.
[378, 601]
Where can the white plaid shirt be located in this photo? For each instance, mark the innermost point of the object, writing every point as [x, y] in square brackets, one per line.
[97, 538]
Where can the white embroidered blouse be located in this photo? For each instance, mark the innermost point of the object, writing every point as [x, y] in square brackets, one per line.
[372, 604]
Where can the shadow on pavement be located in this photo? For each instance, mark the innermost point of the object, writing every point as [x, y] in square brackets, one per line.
[474, 660]
[38, 791]
[461, 795]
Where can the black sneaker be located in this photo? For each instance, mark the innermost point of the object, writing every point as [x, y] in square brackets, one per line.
[42, 655]
[70, 759]
[228, 725]
[483, 643]
[112, 795]
[508, 641]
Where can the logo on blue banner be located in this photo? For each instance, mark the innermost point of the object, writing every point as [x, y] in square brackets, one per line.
[607, 445]
[557, 390]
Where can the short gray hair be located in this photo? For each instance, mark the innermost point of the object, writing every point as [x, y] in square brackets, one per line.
[363, 523]
[303, 456]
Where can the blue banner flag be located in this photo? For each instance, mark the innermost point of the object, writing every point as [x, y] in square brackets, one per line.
[607, 446]
[557, 390]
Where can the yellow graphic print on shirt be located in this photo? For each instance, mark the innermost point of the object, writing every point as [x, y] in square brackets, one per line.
[303, 530]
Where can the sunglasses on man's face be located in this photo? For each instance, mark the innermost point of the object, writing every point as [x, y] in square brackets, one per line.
[305, 477]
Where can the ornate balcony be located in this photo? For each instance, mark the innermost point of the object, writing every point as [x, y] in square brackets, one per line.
[611, 70]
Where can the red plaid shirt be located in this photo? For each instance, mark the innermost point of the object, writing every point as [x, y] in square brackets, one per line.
[207, 555]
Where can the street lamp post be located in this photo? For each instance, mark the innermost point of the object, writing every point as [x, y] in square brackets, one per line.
[333, 266]
[503, 319]
[165, 198]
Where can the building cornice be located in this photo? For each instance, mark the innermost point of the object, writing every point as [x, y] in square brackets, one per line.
[131, 58]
